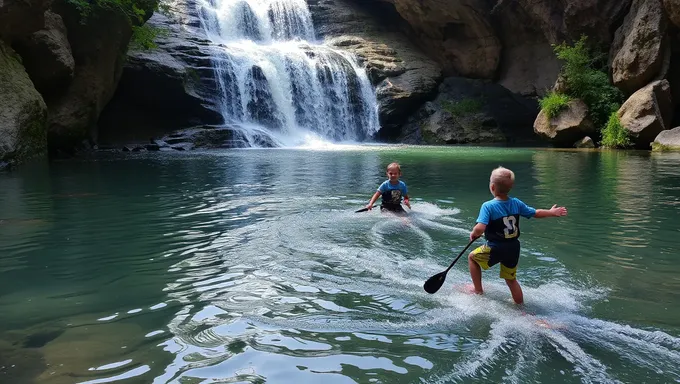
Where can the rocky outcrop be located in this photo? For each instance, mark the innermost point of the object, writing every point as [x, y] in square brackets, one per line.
[403, 75]
[20, 18]
[46, 54]
[163, 89]
[640, 52]
[527, 28]
[569, 126]
[99, 43]
[22, 112]
[673, 11]
[668, 140]
[458, 34]
[471, 111]
[647, 112]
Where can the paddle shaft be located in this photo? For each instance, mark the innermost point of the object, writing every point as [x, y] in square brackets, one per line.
[459, 255]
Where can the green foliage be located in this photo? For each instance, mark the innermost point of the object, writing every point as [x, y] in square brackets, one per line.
[553, 103]
[586, 80]
[143, 36]
[136, 10]
[463, 107]
[614, 135]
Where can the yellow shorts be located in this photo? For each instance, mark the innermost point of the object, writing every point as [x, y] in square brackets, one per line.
[506, 255]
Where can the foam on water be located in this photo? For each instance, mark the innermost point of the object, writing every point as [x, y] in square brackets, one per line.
[356, 282]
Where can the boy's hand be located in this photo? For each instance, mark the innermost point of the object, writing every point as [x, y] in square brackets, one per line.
[369, 206]
[558, 211]
[407, 203]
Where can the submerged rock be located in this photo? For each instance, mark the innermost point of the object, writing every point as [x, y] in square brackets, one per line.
[668, 140]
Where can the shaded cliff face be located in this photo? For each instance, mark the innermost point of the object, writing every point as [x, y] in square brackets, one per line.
[71, 62]
[167, 88]
[505, 41]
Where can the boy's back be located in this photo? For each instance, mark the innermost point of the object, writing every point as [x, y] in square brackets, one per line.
[502, 219]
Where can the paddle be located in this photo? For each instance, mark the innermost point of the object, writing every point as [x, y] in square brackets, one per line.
[363, 210]
[435, 282]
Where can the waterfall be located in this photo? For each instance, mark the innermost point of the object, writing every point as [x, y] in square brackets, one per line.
[275, 79]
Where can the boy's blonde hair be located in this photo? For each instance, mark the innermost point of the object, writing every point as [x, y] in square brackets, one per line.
[503, 179]
[394, 165]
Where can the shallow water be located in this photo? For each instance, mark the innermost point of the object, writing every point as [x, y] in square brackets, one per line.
[251, 266]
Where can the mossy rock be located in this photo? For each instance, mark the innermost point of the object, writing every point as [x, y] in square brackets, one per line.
[23, 113]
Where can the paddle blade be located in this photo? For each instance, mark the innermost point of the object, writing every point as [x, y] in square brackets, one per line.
[435, 282]
[361, 210]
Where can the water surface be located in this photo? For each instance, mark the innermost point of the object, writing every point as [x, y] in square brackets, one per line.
[251, 266]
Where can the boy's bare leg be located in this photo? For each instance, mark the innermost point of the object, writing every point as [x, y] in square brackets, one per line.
[476, 274]
[515, 290]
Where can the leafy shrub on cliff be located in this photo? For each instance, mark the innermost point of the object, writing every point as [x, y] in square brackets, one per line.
[586, 79]
[553, 103]
[138, 11]
[614, 135]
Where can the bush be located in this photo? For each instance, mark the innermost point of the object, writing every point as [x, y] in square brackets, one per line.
[143, 36]
[614, 135]
[585, 79]
[463, 107]
[138, 11]
[553, 103]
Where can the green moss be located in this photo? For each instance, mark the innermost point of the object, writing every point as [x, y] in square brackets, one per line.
[614, 135]
[553, 103]
[463, 107]
[656, 147]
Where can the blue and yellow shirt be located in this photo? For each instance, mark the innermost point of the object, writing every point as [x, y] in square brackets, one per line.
[502, 219]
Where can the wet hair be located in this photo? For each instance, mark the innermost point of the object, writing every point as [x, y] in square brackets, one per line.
[394, 165]
[503, 179]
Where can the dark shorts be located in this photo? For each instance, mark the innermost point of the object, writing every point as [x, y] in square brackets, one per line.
[506, 254]
[396, 208]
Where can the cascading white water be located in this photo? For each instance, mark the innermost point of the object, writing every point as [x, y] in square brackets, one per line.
[275, 79]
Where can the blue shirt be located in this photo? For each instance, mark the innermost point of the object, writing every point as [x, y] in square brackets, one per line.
[392, 193]
[502, 219]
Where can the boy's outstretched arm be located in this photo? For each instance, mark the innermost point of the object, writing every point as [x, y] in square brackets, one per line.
[375, 197]
[477, 231]
[555, 211]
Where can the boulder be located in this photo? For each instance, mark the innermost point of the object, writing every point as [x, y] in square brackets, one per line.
[22, 112]
[667, 140]
[163, 89]
[673, 11]
[471, 111]
[46, 54]
[403, 75]
[20, 18]
[647, 112]
[585, 142]
[640, 52]
[564, 129]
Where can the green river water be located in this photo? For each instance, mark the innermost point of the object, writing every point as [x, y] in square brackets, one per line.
[250, 266]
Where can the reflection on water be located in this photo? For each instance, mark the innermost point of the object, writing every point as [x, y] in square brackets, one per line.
[251, 266]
